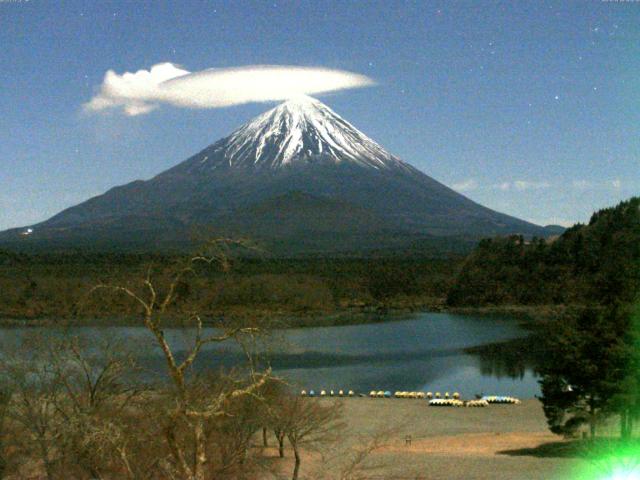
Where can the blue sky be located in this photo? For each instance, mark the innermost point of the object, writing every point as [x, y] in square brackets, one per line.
[530, 108]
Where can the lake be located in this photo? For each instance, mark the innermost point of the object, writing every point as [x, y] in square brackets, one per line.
[424, 351]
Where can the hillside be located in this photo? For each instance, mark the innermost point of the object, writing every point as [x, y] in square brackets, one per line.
[594, 263]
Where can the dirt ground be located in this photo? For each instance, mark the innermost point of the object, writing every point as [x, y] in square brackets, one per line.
[496, 442]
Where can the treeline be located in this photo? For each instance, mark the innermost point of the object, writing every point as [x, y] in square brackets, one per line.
[587, 264]
[590, 362]
[55, 286]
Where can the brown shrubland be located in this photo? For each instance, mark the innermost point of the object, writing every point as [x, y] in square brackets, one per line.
[81, 408]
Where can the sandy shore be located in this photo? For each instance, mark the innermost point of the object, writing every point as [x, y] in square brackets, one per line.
[496, 442]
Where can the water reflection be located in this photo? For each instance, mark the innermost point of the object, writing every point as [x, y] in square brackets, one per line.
[427, 351]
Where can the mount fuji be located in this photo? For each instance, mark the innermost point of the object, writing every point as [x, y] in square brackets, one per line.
[299, 178]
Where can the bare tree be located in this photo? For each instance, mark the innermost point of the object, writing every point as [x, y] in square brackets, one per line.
[32, 411]
[66, 403]
[307, 423]
[95, 391]
[188, 412]
[273, 417]
[358, 464]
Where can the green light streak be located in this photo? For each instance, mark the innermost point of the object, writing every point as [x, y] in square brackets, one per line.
[610, 460]
[614, 458]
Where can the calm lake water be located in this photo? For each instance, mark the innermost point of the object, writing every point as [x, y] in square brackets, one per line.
[426, 351]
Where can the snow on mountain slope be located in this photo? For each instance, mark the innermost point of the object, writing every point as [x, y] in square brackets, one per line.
[295, 173]
[299, 130]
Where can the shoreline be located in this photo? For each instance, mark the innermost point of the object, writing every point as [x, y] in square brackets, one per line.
[528, 316]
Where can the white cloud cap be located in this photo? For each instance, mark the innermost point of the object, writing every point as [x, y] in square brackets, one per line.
[143, 91]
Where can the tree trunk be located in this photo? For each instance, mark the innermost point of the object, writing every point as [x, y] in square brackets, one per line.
[125, 462]
[265, 443]
[94, 473]
[296, 468]
[623, 424]
[48, 470]
[44, 453]
[178, 454]
[201, 452]
[592, 421]
[280, 437]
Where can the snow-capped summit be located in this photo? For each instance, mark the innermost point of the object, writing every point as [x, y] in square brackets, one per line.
[299, 178]
[301, 129]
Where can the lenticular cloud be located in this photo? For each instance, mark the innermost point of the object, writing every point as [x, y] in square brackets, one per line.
[143, 91]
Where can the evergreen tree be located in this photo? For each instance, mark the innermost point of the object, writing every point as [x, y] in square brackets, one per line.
[626, 401]
[583, 370]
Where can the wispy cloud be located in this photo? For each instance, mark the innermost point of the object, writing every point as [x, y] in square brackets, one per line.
[581, 184]
[526, 185]
[615, 184]
[522, 185]
[465, 185]
[165, 83]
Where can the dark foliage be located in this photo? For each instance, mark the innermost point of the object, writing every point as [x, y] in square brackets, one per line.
[588, 264]
[46, 286]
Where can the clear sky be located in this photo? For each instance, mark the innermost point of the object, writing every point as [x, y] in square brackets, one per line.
[530, 108]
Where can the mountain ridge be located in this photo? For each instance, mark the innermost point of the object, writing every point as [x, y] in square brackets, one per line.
[298, 146]
[299, 130]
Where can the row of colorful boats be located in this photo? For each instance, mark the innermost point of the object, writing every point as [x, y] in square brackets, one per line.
[435, 399]
[328, 393]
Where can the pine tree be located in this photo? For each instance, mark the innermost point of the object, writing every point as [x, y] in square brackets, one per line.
[584, 369]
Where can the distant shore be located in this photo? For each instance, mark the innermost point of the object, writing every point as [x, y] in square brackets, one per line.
[526, 315]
